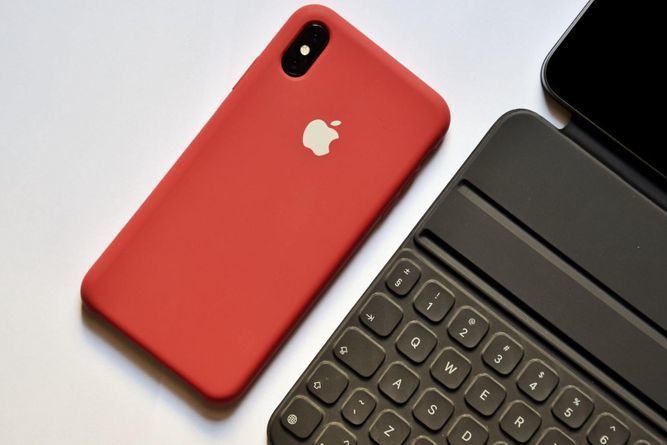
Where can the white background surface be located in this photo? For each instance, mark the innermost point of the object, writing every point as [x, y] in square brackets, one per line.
[97, 99]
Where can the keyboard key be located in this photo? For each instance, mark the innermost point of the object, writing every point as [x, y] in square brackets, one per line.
[608, 430]
[537, 381]
[467, 431]
[485, 395]
[520, 422]
[450, 368]
[433, 409]
[434, 301]
[416, 342]
[359, 352]
[422, 440]
[358, 407]
[327, 383]
[301, 417]
[403, 277]
[572, 407]
[502, 354]
[335, 434]
[468, 327]
[554, 436]
[389, 429]
[398, 383]
[381, 315]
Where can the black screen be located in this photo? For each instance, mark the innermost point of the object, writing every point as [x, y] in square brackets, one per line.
[608, 69]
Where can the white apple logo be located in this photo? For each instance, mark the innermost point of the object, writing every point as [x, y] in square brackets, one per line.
[318, 135]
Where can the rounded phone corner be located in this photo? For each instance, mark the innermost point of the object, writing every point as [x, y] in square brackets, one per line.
[87, 291]
[312, 11]
[220, 395]
[443, 111]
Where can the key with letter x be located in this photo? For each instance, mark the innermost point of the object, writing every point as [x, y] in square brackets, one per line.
[335, 434]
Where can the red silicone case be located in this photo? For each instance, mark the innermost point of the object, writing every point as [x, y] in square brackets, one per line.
[248, 226]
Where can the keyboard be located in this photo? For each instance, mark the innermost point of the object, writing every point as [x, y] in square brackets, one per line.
[425, 359]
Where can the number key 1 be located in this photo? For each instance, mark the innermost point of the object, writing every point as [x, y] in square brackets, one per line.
[434, 301]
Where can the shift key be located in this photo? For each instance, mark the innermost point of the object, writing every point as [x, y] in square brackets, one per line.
[358, 351]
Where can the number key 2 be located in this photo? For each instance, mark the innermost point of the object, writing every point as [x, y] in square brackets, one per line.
[468, 327]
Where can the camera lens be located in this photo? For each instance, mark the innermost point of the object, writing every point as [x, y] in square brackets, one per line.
[305, 49]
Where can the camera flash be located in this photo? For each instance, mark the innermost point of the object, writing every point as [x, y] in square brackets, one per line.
[304, 50]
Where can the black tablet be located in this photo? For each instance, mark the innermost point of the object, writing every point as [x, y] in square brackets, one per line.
[607, 69]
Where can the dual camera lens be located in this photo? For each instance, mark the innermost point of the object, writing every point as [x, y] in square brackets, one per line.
[305, 49]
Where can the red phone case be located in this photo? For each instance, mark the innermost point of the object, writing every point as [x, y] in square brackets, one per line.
[248, 226]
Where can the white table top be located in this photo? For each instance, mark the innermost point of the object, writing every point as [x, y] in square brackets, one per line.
[98, 100]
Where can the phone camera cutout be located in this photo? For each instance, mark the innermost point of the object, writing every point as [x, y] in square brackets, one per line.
[305, 49]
